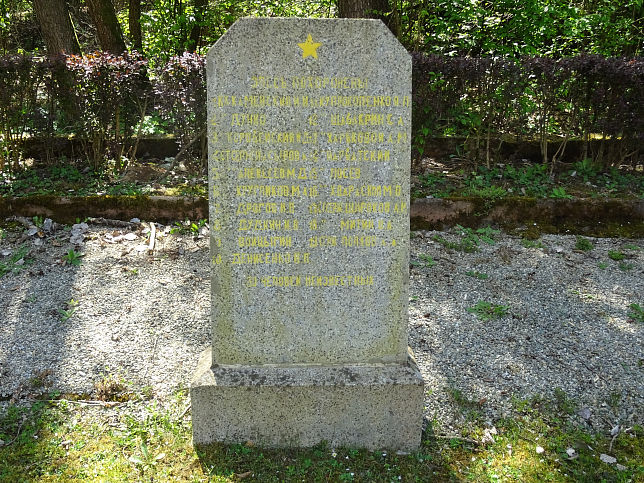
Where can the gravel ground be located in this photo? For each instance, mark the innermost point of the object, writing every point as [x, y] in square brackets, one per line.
[144, 316]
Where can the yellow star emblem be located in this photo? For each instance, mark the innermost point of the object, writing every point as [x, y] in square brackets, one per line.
[309, 48]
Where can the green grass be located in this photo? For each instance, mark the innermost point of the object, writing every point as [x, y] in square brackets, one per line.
[475, 274]
[16, 261]
[426, 261]
[64, 441]
[531, 243]
[615, 255]
[487, 311]
[636, 313]
[583, 244]
[470, 239]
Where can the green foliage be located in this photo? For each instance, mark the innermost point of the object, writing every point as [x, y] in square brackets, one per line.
[559, 192]
[62, 441]
[636, 313]
[475, 274]
[616, 255]
[470, 238]
[188, 227]
[73, 257]
[531, 243]
[17, 261]
[67, 313]
[509, 28]
[586, 168]
[425, 261]
[583, 244]
[487, 311]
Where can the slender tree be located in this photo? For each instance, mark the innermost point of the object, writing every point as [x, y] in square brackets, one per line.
[56, 27]
[107, 26]
[195, 32]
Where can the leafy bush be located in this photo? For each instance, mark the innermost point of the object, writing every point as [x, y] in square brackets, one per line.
[487, 99]
[110, 96]
[181, 98]
[21, 79]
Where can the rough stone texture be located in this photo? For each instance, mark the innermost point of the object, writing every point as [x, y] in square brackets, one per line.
[309, 158]
[259, 324]
[374, 407]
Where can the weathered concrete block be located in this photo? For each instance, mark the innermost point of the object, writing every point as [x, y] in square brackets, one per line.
[372, 407]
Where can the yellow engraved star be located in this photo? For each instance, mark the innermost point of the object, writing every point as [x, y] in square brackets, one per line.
[309, 48]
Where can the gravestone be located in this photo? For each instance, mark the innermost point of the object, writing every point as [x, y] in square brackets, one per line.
[309, 125]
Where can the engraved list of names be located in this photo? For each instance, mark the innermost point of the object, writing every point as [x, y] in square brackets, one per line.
[309, 146]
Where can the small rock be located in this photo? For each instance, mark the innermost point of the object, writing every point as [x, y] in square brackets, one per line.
[488, 435]
[584, 413]
[607, 459]
[129, 236]
[570, 452]
[620, 467]
[32, 231]
[77, 239]
[615, 430]
[5, 253]
[48, 224]
[135, 220]
[539, 450]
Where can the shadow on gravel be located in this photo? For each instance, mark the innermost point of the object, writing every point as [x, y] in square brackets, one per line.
[139, 318]
[566, 334]
[37, 303]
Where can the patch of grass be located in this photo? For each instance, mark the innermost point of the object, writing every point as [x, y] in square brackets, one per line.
[470, 238]
[475, 274]
[525, 243]
[63, 441]
[16, 262]
[602, 265]
[487, 311]
[624, 266]
[425, 261]
[583, 244]
[615, 255]
[636, 313]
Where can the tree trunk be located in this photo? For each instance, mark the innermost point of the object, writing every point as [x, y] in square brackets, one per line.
[110, 37]
[362, 8]
[134, 22]
[195, 32]
[368, 9]
[56, 27]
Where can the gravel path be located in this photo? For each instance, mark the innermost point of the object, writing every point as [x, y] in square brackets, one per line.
[145, 317]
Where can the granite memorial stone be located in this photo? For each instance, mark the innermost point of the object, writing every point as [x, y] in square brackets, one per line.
[309, 125]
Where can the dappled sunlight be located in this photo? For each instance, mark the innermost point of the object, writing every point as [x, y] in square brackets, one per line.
[566, 327]
[120, 311]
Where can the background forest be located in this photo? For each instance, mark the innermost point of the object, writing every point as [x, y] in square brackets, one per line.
[554, 84]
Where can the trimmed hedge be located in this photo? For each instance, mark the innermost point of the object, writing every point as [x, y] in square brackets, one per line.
[103, 99]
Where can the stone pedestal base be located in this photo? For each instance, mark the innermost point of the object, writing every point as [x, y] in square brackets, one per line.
[374, 407]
